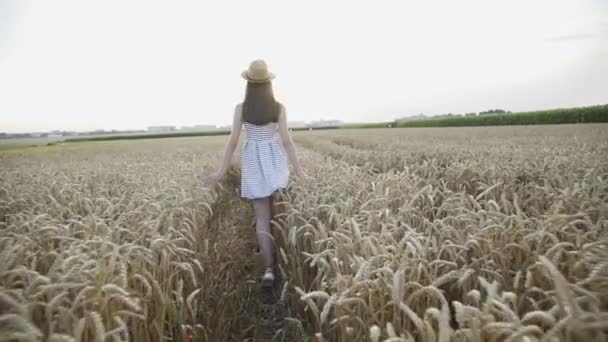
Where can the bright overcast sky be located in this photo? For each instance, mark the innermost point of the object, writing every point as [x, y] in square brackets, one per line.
[82, 65]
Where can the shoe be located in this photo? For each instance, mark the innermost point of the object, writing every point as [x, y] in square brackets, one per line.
[268, 278]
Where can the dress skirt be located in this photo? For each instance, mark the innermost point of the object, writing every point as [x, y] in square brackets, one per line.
[264, 168]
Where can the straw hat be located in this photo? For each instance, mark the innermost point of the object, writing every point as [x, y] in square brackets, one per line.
[257, 72]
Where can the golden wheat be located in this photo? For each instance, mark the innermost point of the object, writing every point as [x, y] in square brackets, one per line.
[468, 234]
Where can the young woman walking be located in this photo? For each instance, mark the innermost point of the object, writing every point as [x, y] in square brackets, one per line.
[264, 167]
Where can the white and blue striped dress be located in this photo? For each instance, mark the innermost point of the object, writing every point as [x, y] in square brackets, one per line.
[263, 163]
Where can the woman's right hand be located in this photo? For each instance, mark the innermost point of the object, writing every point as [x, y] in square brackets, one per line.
[212, 180]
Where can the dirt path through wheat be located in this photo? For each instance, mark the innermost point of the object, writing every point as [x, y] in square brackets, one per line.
[250, 312]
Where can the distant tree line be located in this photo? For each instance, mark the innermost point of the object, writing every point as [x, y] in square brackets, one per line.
[487, 112]
[495, 111]
[500, 117]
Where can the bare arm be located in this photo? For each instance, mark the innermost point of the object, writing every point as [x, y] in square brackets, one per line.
[288, 144]
[230, 145]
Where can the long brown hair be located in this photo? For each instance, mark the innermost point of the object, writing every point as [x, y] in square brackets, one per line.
[260, 107]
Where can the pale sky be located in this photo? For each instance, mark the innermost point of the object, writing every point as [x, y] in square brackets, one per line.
[125, 64]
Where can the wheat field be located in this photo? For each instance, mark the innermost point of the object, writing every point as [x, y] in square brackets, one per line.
[430, 234]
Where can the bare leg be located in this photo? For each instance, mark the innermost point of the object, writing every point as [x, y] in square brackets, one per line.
[265, 239]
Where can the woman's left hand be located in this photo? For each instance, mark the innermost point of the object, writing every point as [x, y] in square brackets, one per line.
[303, 176]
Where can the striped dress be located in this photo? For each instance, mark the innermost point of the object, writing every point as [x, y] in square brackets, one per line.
[263, 163]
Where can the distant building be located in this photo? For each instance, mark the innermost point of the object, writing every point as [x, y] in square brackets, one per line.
[199, 128]
[326, 123]
[296, 124]
[159, 129]
[205, 127]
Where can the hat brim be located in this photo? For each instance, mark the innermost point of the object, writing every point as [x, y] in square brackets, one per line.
[268, 79]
